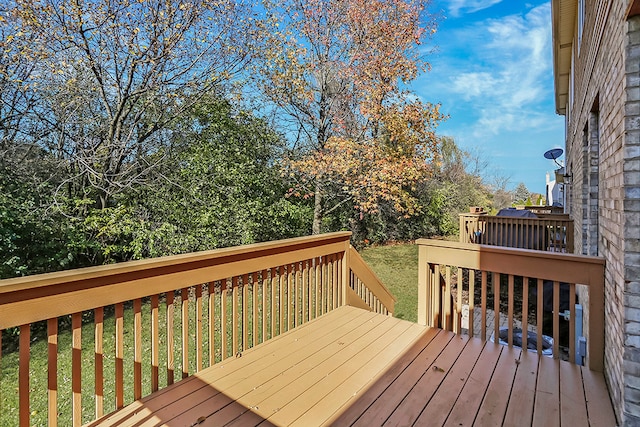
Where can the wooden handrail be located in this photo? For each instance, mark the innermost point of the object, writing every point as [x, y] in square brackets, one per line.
[40, 297]
[374, 285]
[236, 298]
[479, 265]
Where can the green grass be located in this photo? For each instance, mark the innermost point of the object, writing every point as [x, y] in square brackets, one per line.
[397, 267]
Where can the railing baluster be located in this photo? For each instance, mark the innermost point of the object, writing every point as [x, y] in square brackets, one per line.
[495, 279]
[539, 310]
[437, 295]
[255, 305]
[334, 264]
[290, 300]
[199, 328]
[119, 350]
[212, 323]
[98, 315]
[224, 317]
[306, 297]
[447, 299]
[76, 368]
[265, 305]
[234, 316]
[24, 381]
[184, 326]
[52, 377]
[274, 293]
[556, 319]
[137, 349]
[510, 309]
[245, 313]
[471, 302]
[282, 305]
[460, 286]
[326, 286]
[155, 347]
[525, 312]
[169, 297]
[316, 284]
[572, 323]
[297, 294]
[483, 302]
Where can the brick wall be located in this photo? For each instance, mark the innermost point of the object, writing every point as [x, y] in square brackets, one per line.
[631, 222]
[597, 154]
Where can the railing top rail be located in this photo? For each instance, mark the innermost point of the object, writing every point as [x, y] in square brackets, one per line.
[541, 217]
[149, 267]
[563, 267]
[368, 276]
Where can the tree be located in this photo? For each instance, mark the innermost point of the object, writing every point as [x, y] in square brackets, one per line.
[521, 194]
[220, 188]
[337, 72]
[117, 74]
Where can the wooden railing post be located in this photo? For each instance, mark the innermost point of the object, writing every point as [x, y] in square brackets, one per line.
[424, 292]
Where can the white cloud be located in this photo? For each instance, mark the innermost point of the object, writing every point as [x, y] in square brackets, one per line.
[509, 71]
[469, 6]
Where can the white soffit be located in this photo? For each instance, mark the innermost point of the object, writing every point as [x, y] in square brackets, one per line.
[563, 17]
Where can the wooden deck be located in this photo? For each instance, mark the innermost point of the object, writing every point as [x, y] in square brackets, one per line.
[353, 367]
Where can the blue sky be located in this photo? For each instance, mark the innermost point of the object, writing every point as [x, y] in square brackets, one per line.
[492, 72]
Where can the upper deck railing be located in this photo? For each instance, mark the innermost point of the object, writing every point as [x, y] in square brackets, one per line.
[151, 322]
[548, 232]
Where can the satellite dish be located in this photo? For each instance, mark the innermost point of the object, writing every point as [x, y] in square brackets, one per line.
[553, 154]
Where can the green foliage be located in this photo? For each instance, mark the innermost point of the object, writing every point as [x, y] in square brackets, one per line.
[221, 187]
[521, 194]
[34, 239]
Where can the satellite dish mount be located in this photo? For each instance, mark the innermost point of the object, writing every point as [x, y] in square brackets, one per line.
[561, 175]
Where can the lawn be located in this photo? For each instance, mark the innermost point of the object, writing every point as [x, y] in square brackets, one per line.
[397, 267]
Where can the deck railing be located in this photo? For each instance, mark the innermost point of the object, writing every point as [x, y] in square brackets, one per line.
[495, 283]
[154, 321]
[549, 232]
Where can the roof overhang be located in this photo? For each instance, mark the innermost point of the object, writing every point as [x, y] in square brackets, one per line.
[563, 21]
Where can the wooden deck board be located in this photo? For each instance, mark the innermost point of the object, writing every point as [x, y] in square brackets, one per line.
[352, 367]
[397, 382]
[546, 411]
[443, 401]
[420, 396]
[599, 408]
[573, 407]
[467, 404]
[496, 398]
[523, 391]
[287, 398]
